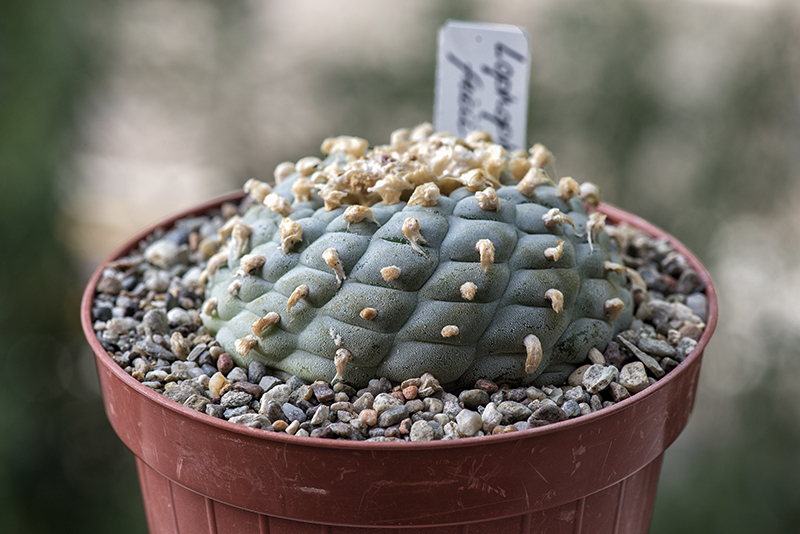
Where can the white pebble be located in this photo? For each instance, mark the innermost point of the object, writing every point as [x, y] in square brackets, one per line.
[469, 422]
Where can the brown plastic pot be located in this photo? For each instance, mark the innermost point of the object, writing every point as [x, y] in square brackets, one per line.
[595, 474]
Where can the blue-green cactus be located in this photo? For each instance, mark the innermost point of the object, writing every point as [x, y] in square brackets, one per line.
[432, 254]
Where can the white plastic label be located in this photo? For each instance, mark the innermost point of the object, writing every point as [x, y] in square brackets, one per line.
[482, 77]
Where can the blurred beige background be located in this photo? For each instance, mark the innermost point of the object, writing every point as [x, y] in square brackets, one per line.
[686, 112]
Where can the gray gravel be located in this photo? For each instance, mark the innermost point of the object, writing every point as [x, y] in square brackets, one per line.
[146, 316]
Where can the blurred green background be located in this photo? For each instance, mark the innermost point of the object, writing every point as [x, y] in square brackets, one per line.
[114, 114]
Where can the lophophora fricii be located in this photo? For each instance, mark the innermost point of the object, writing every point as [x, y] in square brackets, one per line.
[430, 254]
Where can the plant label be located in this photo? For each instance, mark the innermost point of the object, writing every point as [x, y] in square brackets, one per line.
[482, 77]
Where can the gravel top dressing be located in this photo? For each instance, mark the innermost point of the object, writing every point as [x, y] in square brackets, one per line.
[155, 309]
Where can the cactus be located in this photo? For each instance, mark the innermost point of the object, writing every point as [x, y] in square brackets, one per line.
[431, 254]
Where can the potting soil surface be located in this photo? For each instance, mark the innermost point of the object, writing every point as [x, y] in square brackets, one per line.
[146, 315]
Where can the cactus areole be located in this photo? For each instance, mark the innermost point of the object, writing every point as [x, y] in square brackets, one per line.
[430, 254]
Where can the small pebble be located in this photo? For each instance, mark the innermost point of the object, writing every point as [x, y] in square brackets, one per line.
[576, 377]
[548, 412]
[598, 377]
[633, 377]
[234, 399]
[225, 363]
[369, 416]
[255, 372]
[491, 418]
[237, 374]
[468, 422]
[486, 385]
[514, 411]
[618, 392]
[472, 398]
[421, 431]
[252, 420]
[322, 392]
[392, 415]
[293, 413]
[649, 362]
[655, 347]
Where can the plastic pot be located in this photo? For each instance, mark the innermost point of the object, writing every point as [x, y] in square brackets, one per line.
[595, 474]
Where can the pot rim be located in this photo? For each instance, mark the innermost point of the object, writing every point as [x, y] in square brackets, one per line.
[614, 214]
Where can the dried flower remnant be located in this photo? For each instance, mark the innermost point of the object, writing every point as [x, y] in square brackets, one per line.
[261, 325]
[476, 138]
[486, 250]
[210, 306]
[590, 194]
[594, 227]
[556, 299]
[637, 282]
[411, 229]
[610, 266]
[340, 360]
[555, 216]
[214, 263]
[257, 189]
[477, 180]
[239, 236]
[541, 157]
[226, 229]
[234, 287]
[400, 138]
[390, 188]
[392, 272]
[357, 213]
[426, 195]
[249, 263]
[567, 189]
[302, 188]
[532, 179]
[246, 344]
[278, 204]
[368, 313]
[468, 290]
[283, 171]
[450, 330]
[354, 147]
[331, 257]
[533, 351]
[554, 253]
[291, 234]
[613, 308]
[306, 166]
[518, 164]
[300, 292]
[332, 196]
[488, 200]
